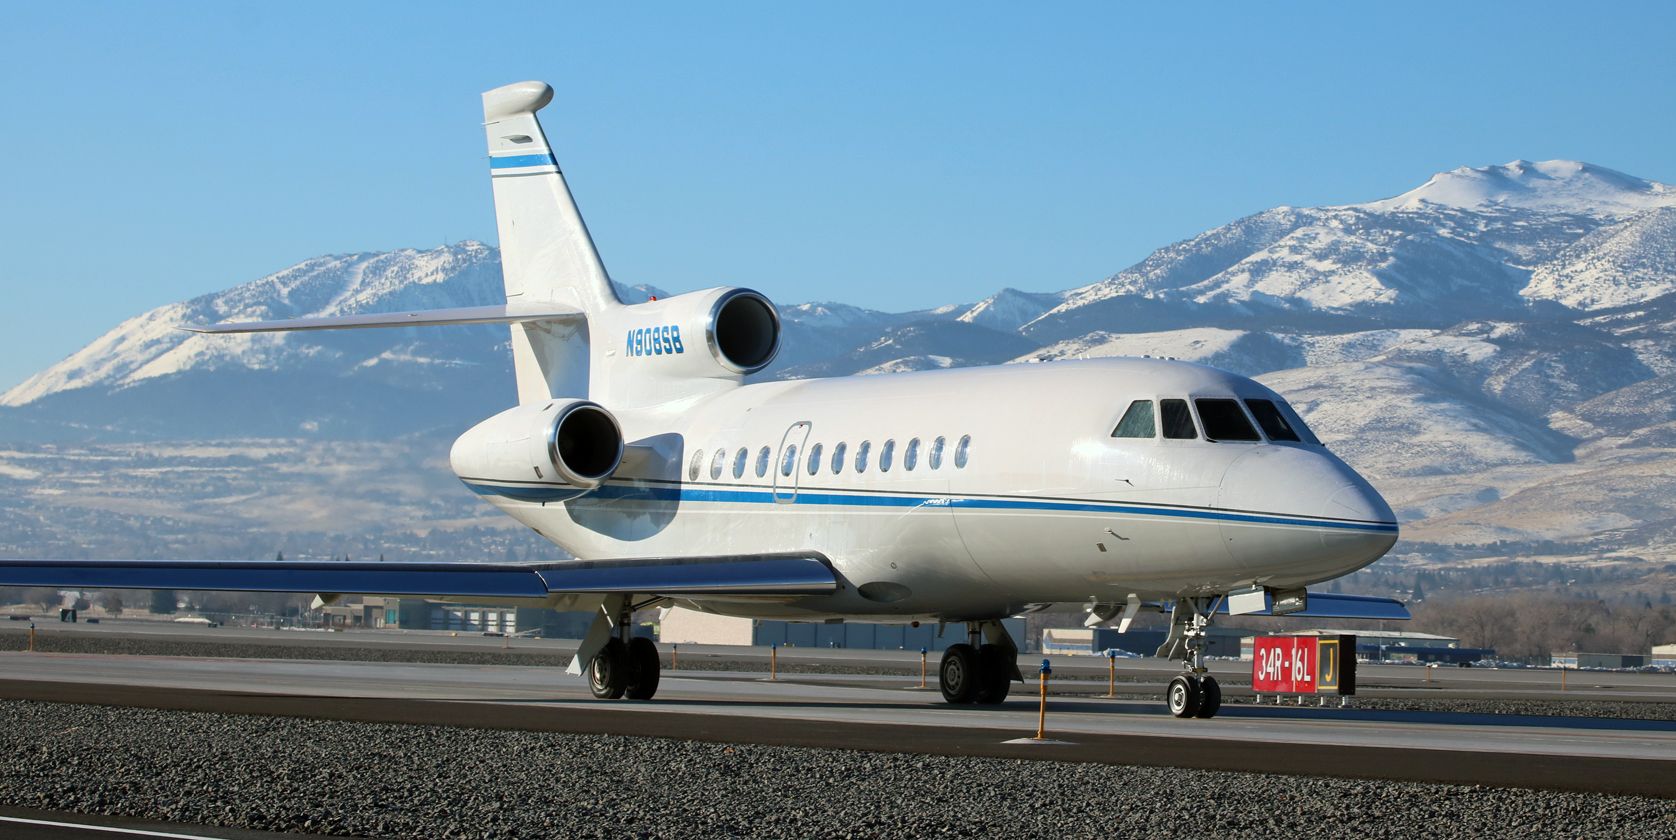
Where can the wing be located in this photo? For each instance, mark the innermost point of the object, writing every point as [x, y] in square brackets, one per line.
[499, 314]
[773, 574]
[1329, 605]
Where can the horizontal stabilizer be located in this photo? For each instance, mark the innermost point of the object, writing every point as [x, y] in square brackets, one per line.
[497, 314]
[1327, 605]
[800, 574]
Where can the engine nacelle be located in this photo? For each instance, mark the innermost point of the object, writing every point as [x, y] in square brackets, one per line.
[542, 452]
[709, 333]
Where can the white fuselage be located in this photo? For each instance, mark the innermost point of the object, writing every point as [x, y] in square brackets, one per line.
[1043, 505]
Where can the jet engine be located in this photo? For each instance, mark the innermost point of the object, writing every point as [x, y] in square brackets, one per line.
[549, 451]
[715, 333]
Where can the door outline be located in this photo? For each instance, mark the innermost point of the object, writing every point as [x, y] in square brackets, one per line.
[796, 435]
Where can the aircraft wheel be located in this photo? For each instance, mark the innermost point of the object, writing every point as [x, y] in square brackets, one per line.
[609, 675]
[644, 669]
[1183, 696]
[995, 674]
[1210, 697]
[960, 674]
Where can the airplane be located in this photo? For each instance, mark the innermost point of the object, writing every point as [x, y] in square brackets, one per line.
[960, 496]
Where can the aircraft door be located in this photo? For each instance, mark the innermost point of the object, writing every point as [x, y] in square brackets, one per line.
[785, 464]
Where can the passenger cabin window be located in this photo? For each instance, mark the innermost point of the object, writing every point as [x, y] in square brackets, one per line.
[1178, 421]
[717, 463]
[814, 459]
[739, 459]
[1137, 422]
[838, 457]
[910, 457]
[789, 461]
[762, 462]
[885, 453]
[935, 459]
[961, 451]
[861, 455]
[695, 466]
[1225, 420]
[1272, 421]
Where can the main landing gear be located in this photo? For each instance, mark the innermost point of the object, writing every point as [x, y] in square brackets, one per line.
[979, 671]
[626, 670]
[1196, 693]
[622, 664]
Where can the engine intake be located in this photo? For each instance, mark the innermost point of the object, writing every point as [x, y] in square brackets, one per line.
[744, 331]
[540, 452]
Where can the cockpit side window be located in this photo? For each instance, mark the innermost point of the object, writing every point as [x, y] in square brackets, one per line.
[1223, 420]
[1273, 422]
[1137, 422]
[1178, 421]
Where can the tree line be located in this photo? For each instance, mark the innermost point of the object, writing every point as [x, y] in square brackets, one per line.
[1533, 626]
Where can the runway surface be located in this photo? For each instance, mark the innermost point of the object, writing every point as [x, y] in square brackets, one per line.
[888, 713]
[1375, 680]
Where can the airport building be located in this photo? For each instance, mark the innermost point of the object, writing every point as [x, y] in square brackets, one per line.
[1394, 646]
[373, 613]
[1664, 656]
[683, 626]
[1603, 661]
[1095, 641]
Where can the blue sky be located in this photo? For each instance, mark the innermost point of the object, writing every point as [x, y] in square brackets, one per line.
[889, 155]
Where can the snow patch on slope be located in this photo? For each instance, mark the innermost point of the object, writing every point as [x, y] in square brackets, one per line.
[1620, 264]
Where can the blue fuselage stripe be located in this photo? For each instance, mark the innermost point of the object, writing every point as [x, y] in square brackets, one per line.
[659, 493]
[516, 161]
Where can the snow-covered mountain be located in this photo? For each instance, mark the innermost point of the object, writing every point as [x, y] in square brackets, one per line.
[1495, 348]
[149, 378]
[1497, 240]
[1549, 186]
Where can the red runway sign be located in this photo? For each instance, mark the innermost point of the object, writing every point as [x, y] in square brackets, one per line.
[1303, 665]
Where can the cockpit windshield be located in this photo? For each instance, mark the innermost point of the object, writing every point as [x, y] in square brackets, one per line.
[1273, 422]
[1286, 414]
[1178, 421]
[1223, 420]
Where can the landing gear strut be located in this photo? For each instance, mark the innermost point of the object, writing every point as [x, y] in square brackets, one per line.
[979, 671]
[623, 664]
[1195, 693]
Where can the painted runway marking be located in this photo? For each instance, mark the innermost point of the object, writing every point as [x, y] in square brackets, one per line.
[111, 829]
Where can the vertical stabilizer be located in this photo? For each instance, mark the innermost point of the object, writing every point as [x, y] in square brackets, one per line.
[546, 252]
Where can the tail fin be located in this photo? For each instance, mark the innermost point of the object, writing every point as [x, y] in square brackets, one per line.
[546, 253]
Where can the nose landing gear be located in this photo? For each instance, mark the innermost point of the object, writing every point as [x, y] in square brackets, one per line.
[1196, 693]
[978, 672]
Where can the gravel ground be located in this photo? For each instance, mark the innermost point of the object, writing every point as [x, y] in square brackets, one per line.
[281, 774]
[1154, 690]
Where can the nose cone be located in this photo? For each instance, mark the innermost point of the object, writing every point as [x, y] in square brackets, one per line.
[1359, 502]
[1300, 515]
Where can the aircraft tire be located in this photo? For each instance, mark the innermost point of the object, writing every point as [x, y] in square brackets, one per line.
[1210, 698]
[609, 674]
[960, 674]
[644, 669]
[995, 675]
[1183, 696]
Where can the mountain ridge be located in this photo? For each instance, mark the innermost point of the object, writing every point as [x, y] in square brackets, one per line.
[1482, 347]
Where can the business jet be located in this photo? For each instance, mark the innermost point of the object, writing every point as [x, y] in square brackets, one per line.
[959, 497]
